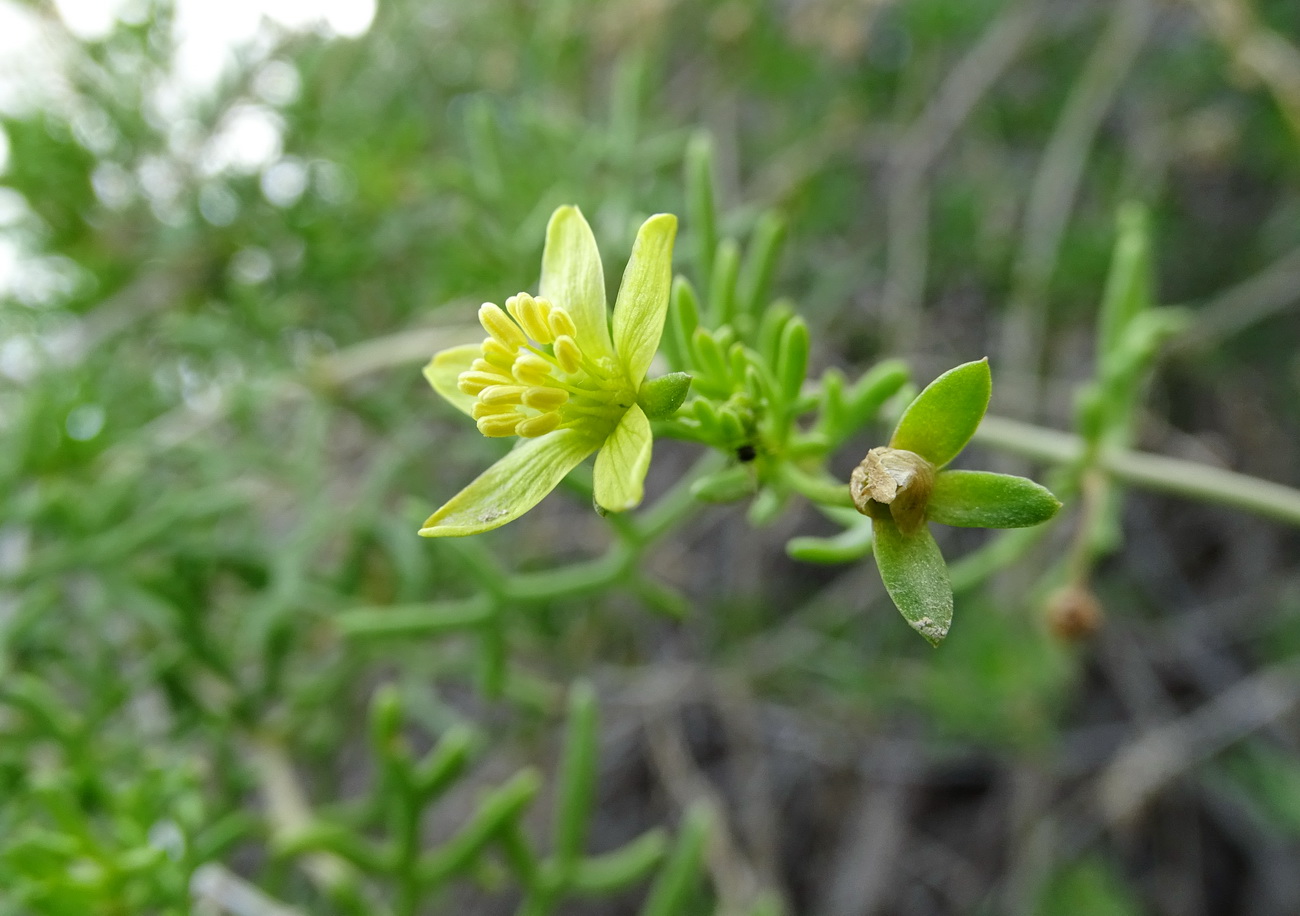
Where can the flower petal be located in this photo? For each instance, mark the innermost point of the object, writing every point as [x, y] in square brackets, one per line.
[643, 295]
[445, 368]
[623, 461]
[572, 278]
[512, 486]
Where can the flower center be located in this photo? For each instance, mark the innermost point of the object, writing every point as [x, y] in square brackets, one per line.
[532, 377]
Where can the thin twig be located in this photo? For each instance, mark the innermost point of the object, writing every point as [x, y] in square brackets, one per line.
[1055, 188]
[1161, 755]
[916, 154]
[1152, 472]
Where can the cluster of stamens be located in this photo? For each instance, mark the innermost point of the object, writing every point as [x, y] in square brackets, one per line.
[532, 377]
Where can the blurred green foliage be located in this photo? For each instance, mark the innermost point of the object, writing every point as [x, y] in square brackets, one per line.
[216, 446]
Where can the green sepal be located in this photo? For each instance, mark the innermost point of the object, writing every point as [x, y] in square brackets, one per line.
[982, 499]
[915, 576]
[940, 421]
[661, 397]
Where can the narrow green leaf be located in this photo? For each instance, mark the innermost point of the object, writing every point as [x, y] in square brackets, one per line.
[603, 875]
[760, 263]
[940, 421]
[675, 887]
[770, 329]
[1128, 286]
[444, 370]
[577, 789]
[867, 395]
[623, 461]
[408, 621]
[982, 499]
[512, 486]
[712, 363]
[496, 809]
[642, 303]
[722, 284]
[849, 546]
[684, 318]
[701, 201]
[572, 278]
[916, 578]
[725, 486]
[792, 358]
[444, 763]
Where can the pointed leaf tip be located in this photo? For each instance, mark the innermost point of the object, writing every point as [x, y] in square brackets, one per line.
[942, 418]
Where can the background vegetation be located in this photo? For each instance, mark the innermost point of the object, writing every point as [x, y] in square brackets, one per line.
[222, 685]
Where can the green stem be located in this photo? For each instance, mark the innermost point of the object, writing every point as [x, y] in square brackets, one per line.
[1153, 472]
[817, 488]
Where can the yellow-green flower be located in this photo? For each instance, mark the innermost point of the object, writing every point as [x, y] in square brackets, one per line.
[550, 372]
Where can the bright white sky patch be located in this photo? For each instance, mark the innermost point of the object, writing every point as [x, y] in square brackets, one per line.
[209, 35]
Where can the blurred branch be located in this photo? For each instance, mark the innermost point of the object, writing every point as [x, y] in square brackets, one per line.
[216, 886]
[1272, 290]
[287, 809]
[1153, 472]
[916, 154]
[1257, 51]
[1162, 754]
[1055, 188]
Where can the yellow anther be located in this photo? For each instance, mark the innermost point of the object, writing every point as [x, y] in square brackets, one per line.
[487, 368]
[545, 398]
[538, 426]
[473, 382]
[479, 410]
[498, 425]
[561, 324]
[502, 394]
[497, 353]
[531, 369]
[567, 354]
[535, 321]
[498, 324]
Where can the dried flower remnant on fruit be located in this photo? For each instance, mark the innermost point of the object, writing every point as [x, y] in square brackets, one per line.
[893, 483]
